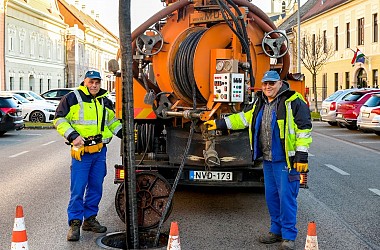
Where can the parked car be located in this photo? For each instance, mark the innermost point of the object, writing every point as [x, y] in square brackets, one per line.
[10, 115]
[349, 108]
[112, 97]
[35, 111]
[329, 105]
[32, 96]
[55, 95]
[369, 115]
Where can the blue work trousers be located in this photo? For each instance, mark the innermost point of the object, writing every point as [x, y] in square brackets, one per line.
[86, 186]
[281, 190]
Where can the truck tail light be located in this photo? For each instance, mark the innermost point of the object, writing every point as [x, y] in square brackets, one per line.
[303, 181]
[119, 174]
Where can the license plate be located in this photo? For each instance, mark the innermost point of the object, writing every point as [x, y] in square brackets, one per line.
[339, 115]
[324, 111]
[210, 176]
[366, 115]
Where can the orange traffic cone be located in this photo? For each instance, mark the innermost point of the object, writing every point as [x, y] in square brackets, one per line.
[19, 238]
[311, 238]
[174, 243]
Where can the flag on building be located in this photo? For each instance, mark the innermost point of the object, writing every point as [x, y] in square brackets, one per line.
[358, 57]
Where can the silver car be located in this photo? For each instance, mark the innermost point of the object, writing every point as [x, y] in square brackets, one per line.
[369, 115]
[330, 104]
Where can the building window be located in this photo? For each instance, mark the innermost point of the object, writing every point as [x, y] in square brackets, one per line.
[32, 44]
[59, 50]
[361, 31]
[11, 38]
[347, 80]
[11, 83]
[48, 48]
[41, 46]
[21, 83]
[348, 34]
[59, 83]
[41, 84]
[325, 41]
[283, 7]
[375, 76]
[49, 84]
[304, 43]
[336, 81]
[375, 28]
[336, 39]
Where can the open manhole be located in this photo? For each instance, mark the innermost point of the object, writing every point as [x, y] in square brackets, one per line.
[116, 240]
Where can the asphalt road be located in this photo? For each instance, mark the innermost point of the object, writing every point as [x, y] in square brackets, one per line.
[343, 196]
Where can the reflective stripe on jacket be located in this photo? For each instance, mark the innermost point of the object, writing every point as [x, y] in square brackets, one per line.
[79, 113]
[293, 120]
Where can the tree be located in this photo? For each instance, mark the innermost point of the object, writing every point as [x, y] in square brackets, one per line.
[315, 52]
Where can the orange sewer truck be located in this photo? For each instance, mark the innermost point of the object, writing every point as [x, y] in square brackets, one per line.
[194, 61]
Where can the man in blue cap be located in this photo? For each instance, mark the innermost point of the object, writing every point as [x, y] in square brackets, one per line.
[85, 117]
[280, 124]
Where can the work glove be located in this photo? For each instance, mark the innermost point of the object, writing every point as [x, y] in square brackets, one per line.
[210, 124]
[301, 162]
[93, 148]
[77, 152]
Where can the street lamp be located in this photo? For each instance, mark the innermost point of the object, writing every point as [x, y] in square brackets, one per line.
[299, 36]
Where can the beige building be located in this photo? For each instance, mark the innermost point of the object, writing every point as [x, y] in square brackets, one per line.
[34, 46]
[49, 44]
[348, 25]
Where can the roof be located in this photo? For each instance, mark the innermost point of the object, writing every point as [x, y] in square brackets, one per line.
[311, 9]
[321, 6]
[292, 20]
[48, 7]
[82, 19]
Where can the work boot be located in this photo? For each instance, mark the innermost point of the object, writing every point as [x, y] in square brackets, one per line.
[270, 238]
[74, 231]
[92, 224]
[288, 245]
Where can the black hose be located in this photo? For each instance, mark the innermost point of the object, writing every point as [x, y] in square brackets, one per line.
[175, 183]
[184, 64]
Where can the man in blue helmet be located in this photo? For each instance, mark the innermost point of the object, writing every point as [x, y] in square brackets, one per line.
[85, 117]
[280, 132]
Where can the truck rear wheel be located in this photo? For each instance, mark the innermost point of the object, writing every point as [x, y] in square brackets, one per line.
[152, 196]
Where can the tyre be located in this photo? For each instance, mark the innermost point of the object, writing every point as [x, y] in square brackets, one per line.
[37, 116]
[378, 133]
[2, 133]
[333, 123]
[351, 127]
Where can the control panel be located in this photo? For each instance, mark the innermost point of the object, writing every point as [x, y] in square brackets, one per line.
[229, 87]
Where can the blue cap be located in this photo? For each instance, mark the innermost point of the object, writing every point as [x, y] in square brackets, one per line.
[93, 74]
[271, 76]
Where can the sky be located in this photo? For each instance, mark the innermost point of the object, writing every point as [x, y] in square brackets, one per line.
[141, 10]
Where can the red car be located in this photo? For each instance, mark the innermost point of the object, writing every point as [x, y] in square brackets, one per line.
[349, 108]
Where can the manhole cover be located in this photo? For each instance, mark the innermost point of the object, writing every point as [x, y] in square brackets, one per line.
[116, 240]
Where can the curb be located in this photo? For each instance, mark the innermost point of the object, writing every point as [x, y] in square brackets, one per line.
[39, 127]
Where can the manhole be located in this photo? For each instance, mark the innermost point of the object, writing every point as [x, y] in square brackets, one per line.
[116, 240]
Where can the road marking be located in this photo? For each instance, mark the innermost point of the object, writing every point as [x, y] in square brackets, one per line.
[33, 134]
[2, 140]
[311, 154]
[340, 171]
[376, 191]
[348, 135]
[23, 152]
[349, 143]
[368, 142]
[50, 142]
